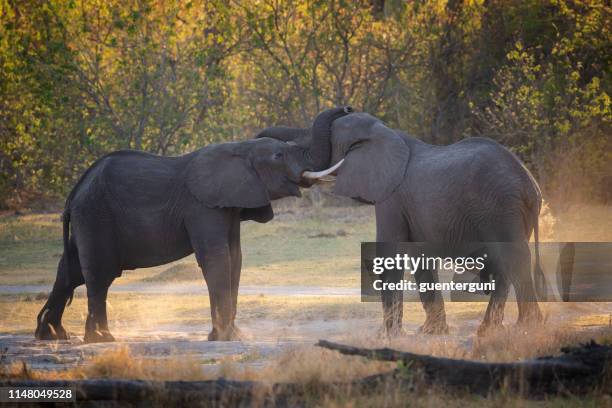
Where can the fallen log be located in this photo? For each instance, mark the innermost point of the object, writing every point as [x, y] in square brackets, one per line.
[214, 393]
[578, 370]
[132, 391]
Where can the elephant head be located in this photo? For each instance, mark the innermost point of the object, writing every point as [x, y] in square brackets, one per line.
[369, 158]
[247, 175]
[315, 141]
[372, 158]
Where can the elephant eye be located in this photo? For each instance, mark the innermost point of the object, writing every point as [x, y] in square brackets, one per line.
[278, 155]
[356, 145]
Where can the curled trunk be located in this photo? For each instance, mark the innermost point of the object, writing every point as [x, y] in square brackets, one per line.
[320, 148]
[315, 141]
[301, 136]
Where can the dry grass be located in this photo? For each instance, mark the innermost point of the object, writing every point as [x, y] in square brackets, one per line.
[313, 367]
[308, 364]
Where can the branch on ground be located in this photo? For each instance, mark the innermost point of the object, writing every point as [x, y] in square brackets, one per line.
[578, 370]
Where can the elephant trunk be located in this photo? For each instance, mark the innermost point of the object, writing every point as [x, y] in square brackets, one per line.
[315, 141]
[319, 151]
[285, 133]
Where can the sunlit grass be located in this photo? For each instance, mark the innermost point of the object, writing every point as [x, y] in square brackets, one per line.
[317, 247]
[301, 246]
[314, 367]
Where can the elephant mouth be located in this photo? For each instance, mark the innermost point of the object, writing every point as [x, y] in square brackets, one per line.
[306, 183]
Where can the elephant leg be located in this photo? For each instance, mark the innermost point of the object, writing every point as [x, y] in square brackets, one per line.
[236, 267]
[216, 267]
[566, 269]
[495, 268]
[433, 303]
[494, 316]
[393, 303]
[96, 325]
[95, 239]
[209, 233]
[390, 227]
[518, 263]
[69, 277]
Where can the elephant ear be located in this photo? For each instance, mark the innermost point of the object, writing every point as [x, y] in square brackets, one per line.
[220, 177]
[374, 166]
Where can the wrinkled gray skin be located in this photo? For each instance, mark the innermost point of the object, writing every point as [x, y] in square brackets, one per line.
[134, 210]
[472, 191]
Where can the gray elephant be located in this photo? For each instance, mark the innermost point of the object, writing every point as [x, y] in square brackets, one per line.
[132, 210]
[472, 191]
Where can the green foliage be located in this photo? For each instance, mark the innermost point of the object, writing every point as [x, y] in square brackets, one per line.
[550, 103]
[81, 78]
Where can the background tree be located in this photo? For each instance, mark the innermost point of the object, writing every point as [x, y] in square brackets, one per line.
[81, 78]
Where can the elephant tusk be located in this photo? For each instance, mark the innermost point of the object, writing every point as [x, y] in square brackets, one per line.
[330, 179]
[322, 173]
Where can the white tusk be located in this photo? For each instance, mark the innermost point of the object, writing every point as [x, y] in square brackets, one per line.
[322, 173]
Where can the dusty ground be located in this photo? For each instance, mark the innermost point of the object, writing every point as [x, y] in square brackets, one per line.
[300, 283]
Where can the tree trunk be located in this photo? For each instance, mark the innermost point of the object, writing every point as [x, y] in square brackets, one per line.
[578, 370]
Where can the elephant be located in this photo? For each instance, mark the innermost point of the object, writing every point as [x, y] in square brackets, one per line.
[133, 209]
[474, 190]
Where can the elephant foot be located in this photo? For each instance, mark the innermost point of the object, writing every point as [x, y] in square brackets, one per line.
[390, 332]
[438, 327]
[530, 317]
[47, 331]
[230, 334]
[486, 329]
[98, 336]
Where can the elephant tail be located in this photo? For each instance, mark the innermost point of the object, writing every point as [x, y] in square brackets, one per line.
[538, 273]
[66, 233]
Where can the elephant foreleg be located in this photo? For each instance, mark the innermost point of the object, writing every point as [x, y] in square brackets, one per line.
[236, 267]
[216, 267]
[393, 303]
[210, 232]
[391, 228]
[433, 303]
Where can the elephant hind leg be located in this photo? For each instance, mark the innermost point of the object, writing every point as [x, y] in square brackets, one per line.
[96, 325]
[69, 277]
[495, 269]
[519, 274]
[98, 279]
[100, 265]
